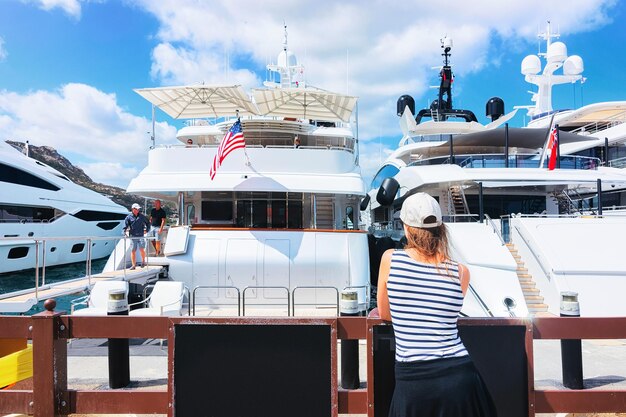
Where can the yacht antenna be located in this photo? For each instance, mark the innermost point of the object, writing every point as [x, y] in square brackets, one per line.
[445, 88]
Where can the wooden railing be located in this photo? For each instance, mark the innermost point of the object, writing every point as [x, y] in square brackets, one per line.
[51, 330]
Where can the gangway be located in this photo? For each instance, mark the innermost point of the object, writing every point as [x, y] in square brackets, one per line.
[23, 300]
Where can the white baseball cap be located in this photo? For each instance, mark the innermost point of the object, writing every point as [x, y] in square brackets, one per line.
[419, 207]
[135, 206]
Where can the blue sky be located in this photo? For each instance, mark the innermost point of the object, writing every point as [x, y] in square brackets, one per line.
[68, 67]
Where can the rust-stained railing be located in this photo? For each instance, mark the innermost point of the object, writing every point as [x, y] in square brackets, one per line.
[50, 330]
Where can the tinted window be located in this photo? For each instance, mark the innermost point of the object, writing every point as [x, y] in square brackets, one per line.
[385, 172]
[26, 213]
[78, 247]
[107, 225]
[92, 215]
[217, 211]
[19, 252]
[17, 176]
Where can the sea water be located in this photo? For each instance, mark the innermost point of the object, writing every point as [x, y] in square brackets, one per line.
[22, 280]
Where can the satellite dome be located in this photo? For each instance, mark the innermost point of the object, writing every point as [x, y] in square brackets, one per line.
[573, 65]
[557, 52]
[531, 65]
[287, 59]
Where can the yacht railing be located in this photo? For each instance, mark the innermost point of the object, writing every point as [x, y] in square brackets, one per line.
[313, 287]
[497, 160]
[618, 163]
[490, 222]
[595, 127]
[40, 255]
[282, 145]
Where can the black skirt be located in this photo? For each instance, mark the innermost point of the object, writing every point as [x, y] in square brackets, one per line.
[447, 387]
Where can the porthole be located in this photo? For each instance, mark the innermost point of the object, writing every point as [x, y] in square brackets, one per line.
[31, 234]
[18, 252]
[52, 249]
[78, 247]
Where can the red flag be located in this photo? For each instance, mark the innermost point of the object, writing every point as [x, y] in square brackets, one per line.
[553, 144]
[231, 141]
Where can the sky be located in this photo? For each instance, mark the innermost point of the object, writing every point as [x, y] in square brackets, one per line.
[68, 67]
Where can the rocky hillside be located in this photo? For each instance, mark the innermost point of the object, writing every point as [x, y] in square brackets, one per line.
[51, 157]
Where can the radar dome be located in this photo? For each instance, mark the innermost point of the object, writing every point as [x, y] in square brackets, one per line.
[287, 59]
[557, 52]
[573, 65]
[531, 65]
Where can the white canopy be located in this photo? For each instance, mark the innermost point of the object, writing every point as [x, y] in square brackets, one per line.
[188, 102]
[304, 103]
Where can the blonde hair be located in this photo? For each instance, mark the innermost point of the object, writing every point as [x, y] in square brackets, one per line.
[431, 243]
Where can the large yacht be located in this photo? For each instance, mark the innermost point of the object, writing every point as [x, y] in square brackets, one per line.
[37, 202]
[495, 185]
[279, 222]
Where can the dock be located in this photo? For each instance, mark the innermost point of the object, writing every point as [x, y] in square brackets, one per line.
[23, 300]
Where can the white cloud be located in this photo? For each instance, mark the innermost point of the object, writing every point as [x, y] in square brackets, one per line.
[375, 50]
[3, 51]
[83, 121]
[111, 173]
[71, 7]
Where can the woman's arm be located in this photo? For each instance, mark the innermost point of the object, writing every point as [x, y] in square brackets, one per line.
[382, 298]
[464, 276]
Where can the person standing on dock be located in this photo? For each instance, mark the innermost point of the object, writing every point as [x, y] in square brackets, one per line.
[136, 226]
[157, 223]
[421, 290]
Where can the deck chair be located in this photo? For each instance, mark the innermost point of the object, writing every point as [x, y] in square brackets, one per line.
[166, 299]
[98, 298]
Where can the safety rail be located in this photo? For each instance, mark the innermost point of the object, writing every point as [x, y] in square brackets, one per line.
[491, 223]
[40, 254]
[312, 287]
[49, 395]
[256, 287]
[291, 297]
[217, 287]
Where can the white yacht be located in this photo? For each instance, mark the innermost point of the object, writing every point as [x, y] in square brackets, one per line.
[493, 183]
[278, 224]
[37, 202]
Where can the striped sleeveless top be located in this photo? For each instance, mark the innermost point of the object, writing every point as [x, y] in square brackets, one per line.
[425, 301]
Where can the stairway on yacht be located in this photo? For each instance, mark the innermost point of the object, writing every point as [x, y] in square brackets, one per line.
[534, 300]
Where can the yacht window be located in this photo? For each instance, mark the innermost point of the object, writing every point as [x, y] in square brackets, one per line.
[18, 252]
[17, 176]
[294, 214]
[269, 210]
[78, 247]
[26, 213]
[252, 213]
[217, 211]
[92, 215]
[385, 172]
[278, 212]
[107, 225]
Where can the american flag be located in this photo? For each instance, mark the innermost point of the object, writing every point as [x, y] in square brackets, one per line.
[553, 144]
[233, 140]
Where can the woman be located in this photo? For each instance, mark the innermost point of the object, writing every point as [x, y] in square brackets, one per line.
[421, 290]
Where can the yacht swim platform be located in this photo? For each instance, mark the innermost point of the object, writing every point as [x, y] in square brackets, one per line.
[23, 300]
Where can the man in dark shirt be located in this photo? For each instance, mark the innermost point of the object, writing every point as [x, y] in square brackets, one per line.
[157, 222]
[136, 225]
